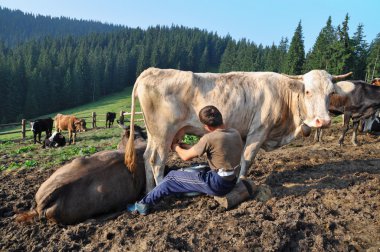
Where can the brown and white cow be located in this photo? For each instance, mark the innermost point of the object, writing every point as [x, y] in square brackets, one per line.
[356, 100]
[91, 186]
[268, 109]
[71, 124]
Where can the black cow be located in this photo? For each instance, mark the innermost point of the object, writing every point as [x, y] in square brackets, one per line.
[371, 125]
[110, 118]
[40, 125]
[359, 102]
[55, 140]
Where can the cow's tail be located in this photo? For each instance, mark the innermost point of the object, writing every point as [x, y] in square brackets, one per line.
[26, 216]
[130, 153]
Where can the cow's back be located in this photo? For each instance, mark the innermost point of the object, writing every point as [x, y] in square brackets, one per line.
[65, 122]
[179, 95]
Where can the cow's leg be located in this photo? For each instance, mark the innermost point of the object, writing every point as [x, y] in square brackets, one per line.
[346, 125]
[155, 157]
[252, 146]
[35, 137]
[70, 136]
[74, 136]
[149, 184]
[354, 139]
[318, 135]
[39, 136]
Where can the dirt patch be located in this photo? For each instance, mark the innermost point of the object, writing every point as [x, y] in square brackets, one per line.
[324, 198]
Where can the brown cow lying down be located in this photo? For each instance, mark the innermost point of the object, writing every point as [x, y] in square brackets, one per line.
[91, 186]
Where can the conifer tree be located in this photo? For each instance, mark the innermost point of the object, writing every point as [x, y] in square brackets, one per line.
[373, 60]
[319, 56]
[296, 54]
[360, 48]
[342, 50]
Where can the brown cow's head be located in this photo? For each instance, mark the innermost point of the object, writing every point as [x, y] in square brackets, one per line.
[80, 125]
[376, 82]
[140, 137]
[316, 87]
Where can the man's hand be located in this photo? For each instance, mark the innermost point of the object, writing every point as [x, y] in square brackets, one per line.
[174, 145]
[183, 153]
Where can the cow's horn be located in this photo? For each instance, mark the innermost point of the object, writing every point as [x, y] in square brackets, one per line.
[295, 77]
[341, 77]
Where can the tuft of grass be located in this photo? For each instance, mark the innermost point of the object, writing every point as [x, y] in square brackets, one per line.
[25, 149]
[30, 163]
[190, 139]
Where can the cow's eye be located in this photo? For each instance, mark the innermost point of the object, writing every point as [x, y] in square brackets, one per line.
[308, 93]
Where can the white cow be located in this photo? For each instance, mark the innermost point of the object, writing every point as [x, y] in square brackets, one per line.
[268, 109]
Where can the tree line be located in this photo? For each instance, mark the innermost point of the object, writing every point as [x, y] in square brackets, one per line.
[52, 73]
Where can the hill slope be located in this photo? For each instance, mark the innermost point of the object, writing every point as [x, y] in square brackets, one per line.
[17, 27]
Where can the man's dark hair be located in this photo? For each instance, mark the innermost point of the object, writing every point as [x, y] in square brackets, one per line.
[210, 116]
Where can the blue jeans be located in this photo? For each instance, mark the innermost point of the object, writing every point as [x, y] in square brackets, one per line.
[184, 182]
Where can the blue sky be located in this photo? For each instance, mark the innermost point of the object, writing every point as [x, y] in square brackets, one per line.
[264, 21]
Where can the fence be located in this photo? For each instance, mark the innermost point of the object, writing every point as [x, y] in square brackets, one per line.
[93, 116]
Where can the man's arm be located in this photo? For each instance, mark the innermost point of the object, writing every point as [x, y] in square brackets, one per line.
[184, 154]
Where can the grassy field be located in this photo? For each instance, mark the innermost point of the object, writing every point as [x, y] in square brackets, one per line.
[15, 153]
[113, 103]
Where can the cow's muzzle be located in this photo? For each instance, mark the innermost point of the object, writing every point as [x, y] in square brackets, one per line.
[322, 123]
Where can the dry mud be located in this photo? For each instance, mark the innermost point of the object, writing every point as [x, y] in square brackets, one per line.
[324, 198]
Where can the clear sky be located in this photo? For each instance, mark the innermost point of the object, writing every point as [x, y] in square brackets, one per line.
[264, 21]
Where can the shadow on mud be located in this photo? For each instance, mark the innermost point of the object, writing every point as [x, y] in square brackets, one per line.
[335, 175]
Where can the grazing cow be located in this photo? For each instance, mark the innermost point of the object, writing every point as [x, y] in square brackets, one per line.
[268, 109]
[110, 118]
[357, 100]
[71, 124]
[54, 141]
[376, 82]
[90, 186]
[40, 125]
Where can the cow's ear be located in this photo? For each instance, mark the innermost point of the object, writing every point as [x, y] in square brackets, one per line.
[296, 86]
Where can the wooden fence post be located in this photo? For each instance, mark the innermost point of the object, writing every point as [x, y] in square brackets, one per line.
[23, 127]
[121, 118]
[93, 120]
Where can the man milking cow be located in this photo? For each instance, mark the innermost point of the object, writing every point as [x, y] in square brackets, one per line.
[223, 147]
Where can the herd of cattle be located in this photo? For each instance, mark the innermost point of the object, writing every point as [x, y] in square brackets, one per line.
[62, 122]
[268, 109]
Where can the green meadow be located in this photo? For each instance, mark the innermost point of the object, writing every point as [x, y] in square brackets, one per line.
[15, 153]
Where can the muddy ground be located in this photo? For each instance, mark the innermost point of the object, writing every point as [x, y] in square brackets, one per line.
[324, 198]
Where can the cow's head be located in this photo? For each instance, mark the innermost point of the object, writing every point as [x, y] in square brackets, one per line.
[376, 82]
[139, 136]
[32, 125]
[315, 87]
[80, 125]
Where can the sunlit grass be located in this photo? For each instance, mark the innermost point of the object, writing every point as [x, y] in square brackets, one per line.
[113, 103]
[26, 155]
